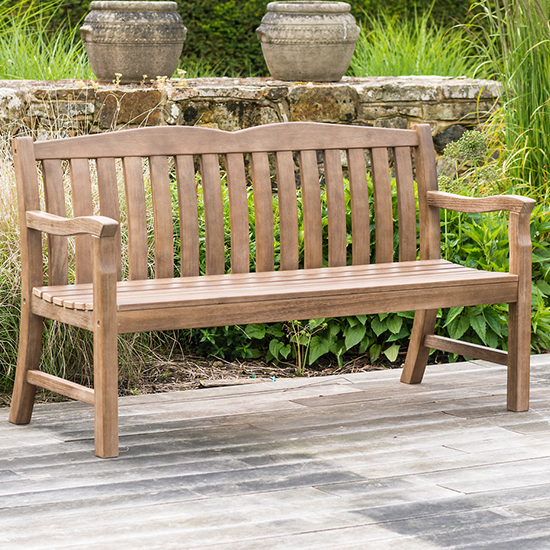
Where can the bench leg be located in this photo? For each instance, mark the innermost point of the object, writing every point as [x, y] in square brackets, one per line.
[105, 393]
[519, 350]
[417, 355]
[28, 358]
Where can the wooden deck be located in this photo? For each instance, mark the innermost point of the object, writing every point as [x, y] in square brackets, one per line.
[357, 461]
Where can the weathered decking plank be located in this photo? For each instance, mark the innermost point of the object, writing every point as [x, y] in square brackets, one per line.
[357, 461]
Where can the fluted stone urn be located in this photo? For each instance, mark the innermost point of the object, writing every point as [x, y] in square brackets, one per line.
[133, 39]
[308, 40]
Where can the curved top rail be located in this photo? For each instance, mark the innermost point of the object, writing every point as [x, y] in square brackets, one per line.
[190, 140]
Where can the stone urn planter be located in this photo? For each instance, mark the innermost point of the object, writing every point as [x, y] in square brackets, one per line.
[133, 39]
[308, 40]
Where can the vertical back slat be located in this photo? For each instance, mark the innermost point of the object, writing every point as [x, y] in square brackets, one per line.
[108, 201]
[238, 207]
[213, 214]
[383, 211]
[360, 214]
[263, 212]
[137, 218]
[311, 205]
[426, 177]
[82, 206]
[162, 214]
[336, 208]
[288, 210]
[54, 193]
[406, 205]
[189, 224]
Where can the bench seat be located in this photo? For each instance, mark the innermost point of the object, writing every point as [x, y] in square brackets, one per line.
[243, 298]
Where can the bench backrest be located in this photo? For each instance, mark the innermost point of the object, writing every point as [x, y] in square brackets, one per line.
[270, 157]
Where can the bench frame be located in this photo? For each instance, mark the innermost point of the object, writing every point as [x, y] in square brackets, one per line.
[100, 265]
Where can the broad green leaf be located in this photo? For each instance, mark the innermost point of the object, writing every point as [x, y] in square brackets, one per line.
[255, 331]
[362, 319]
[454, 312]
[374, 352]
[479, 324]
[354, 335]
[392, 352]
[318, 347]
[275, 347]
[458, 327]
[378, 326]
[394, 323]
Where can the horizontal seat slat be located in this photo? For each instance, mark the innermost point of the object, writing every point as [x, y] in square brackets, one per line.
[439, 276]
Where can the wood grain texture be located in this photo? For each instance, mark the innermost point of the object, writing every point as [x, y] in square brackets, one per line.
[32, 274]
[213, 214]
[105, 347]
[109, 200]
[426, 174]
[519, 313]
[137, 218]
[98, 226]
[61, 386]
[288, 210]
[238, 206]
[108, 307]
[360, 215]
[182, 140]
[311, 207]
[460, 203]
[263, 210]
[383, 209]
[54, 195]
[336, 208]
[189, 217]
[82, 206]
[406, 203]
[466, 349]
[162, 217]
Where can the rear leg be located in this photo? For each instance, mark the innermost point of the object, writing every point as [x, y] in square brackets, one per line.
[417, 355]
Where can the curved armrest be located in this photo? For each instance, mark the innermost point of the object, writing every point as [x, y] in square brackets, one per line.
[476, 205]
[98, 226]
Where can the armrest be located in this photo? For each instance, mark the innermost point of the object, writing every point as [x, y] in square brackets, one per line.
[98, 226]
[476, 205]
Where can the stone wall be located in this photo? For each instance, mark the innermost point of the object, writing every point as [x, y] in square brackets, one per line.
[62, 108]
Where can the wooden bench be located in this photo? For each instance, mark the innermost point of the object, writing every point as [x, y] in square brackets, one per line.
[100, 301]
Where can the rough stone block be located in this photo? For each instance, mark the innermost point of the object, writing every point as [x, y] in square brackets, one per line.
[323, 103]
[136, 107]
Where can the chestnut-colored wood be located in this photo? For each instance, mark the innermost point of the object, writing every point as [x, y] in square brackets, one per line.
[406, 207]
[98, 226]
[162, 216]
[137, 218]
[213, 214]
[106, 305]
[238, 206]
[263, 210]
[185, 140]
[82, 206]
[360, 216]
[189, 217]
[311, 207]
[61, 386]
[336, 208]
[108, 201]
[466, 349]
[54, 194]
[383, 210]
